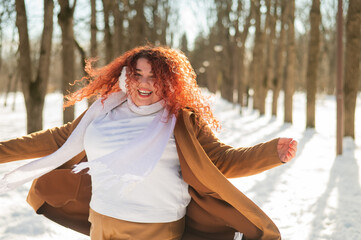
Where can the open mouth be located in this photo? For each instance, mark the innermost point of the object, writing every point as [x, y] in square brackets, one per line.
[144, 93]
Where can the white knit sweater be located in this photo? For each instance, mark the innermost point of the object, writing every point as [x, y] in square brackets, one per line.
[162, 196]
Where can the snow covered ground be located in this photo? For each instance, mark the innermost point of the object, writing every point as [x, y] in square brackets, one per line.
[317, 196]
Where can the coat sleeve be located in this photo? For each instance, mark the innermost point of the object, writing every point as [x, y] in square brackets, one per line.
[38, 144]
[237, 162]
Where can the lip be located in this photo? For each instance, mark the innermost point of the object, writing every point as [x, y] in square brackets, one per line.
[144, 90]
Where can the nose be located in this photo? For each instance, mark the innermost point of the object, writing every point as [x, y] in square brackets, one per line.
[145, 80]
[142, 79]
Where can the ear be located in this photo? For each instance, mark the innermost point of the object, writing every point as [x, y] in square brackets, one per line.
[122, 79]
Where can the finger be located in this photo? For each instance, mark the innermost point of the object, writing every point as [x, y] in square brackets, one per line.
[292, 151]
[293, 143]
[291, 155]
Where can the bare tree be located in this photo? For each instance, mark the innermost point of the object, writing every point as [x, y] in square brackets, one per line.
[107, 31]
[65, 19]
[138, 24]
[229, 64]
[1, 38]
[212, 55]
[258, 59]
[156, 19]
[352, 65]
[291, 60]
[223, 46]
[118, 38]
[269, 39]
[93, 37]
[236, 48]
[159, 26]
[12, 82]
[280, 59]
[82, 54]
[198, 57]
[34, 89]
[6, 17]
[184, 44]
[164, 21]
[93, 30]
[312, 64]
[243, 38]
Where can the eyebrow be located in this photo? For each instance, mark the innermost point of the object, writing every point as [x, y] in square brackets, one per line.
[139, 70]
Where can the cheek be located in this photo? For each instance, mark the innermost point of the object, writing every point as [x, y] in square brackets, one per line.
[158, 92]
[157, 97]
[132, 86]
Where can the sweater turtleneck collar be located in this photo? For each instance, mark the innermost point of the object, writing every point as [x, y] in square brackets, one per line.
[146, 109]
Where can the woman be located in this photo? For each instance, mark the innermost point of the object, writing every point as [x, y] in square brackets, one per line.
[157, 170]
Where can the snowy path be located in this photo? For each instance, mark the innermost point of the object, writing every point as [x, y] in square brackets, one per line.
[317, 196]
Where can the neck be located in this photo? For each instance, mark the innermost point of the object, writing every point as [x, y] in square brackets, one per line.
[146, 109]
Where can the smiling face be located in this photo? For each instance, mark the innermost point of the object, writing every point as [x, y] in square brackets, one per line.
[144, 93]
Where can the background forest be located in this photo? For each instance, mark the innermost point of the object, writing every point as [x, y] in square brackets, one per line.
[244, 49]
[299, 54]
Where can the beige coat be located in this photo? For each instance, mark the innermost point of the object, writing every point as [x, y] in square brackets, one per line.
[217, 208]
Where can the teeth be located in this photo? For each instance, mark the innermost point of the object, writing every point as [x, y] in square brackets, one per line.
[145, 92]
[142, 92]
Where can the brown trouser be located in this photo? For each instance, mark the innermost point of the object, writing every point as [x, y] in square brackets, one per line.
[108, 228]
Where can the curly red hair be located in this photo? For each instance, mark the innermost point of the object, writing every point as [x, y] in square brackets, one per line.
[175, 80]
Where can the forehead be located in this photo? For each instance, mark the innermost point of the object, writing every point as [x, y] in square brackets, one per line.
[143, 65]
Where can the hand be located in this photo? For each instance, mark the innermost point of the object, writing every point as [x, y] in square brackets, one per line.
[286, 148]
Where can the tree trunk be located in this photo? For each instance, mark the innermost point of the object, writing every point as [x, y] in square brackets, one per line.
[227, 72]
[291, 60]
[16, 87]
[352, 65]
[236, 50]
[93, 39]
[1, 41]
[223, 49]
[280, 62]
[242, 81]
[263, 74]
[11, 85]
[227, 66]
[107, 33]
[65, 19]
[93, 30]
[270, 60]
[257, 61]
[119, 40]
[82, 54]
[165, 22]
[269, 35]
[312, 64]
[34, 90]
[138, 25]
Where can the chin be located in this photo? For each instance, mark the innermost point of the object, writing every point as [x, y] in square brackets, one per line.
[142, 103]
